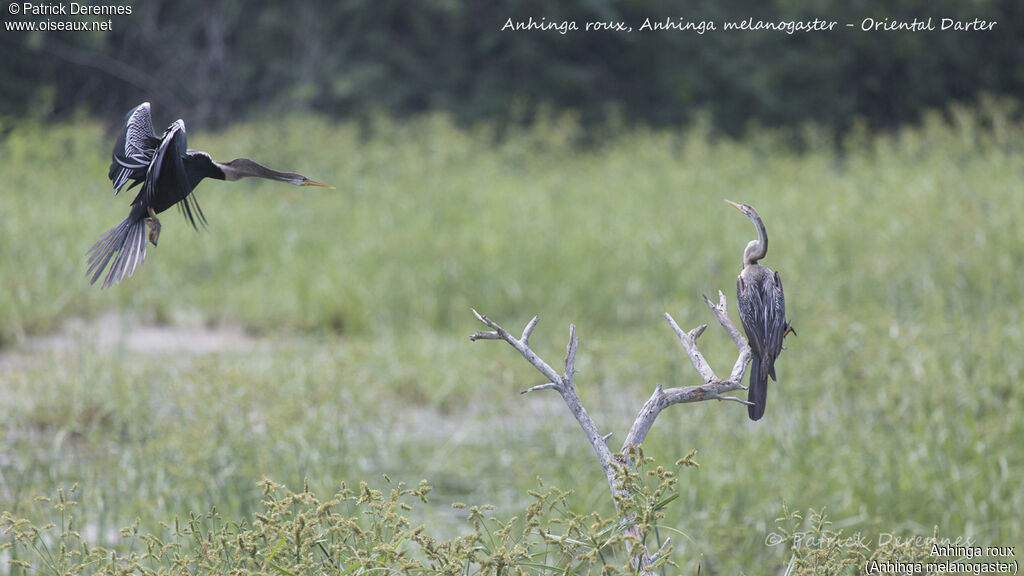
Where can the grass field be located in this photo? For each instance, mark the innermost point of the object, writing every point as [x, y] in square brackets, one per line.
[346, 315]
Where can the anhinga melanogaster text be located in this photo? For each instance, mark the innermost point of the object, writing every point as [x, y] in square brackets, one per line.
[762, 308]
[168, 172]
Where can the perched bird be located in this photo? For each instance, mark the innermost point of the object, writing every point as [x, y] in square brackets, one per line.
[168, 173]
[762, 308]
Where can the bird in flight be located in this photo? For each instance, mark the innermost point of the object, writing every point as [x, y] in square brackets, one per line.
[762, 307]
[167, 173]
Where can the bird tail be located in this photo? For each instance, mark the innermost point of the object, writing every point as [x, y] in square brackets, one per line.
[125, 244]
[758, 389]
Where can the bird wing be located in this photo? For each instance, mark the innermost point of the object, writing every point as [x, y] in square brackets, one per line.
[776, 321]
[189, 206]
[750, 302]
[169, 171]
[134, 149]
[762, 308]
[167, 164]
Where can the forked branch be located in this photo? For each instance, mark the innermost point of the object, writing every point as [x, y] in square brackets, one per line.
[563, 383]
[713, 388]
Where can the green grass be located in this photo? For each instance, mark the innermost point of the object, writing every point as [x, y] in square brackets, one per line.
[897, 408]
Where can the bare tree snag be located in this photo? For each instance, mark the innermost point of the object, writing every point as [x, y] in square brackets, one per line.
[563, 383]
[713, 388]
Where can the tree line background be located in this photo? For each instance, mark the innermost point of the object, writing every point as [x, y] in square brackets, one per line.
[216, 62]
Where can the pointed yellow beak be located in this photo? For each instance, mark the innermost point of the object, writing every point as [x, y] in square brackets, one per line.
[734, 205]
[308, 182]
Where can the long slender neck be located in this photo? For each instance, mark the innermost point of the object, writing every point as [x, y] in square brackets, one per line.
[244, 168]
[756, 249]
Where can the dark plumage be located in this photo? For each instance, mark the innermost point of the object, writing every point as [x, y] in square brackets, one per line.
[762, 308]
[168, 172]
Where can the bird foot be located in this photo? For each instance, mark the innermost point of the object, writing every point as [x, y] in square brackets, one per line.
[154, 227]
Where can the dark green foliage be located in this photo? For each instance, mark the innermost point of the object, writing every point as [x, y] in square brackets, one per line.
[346, 58]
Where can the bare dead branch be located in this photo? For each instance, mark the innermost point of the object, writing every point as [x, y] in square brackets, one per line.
[721, 312]
[735, 399]
[522, 347]
[529, 330]
[545, 386]
[561, 383]
[713, 388]
[570, 357]
[689, 340]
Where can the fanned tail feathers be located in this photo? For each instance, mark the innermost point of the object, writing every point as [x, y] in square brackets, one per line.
[125, 244]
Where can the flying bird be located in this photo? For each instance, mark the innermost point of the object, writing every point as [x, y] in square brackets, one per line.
[762, 308]
[167, 173]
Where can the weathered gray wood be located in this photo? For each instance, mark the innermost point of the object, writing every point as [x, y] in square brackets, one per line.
[713, 387]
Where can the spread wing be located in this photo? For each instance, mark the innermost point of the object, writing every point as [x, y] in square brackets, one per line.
[168, 170]
[167, 164]
[134, 149]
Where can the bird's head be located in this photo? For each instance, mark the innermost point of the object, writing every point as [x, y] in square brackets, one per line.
[756, 249]
[244, 168]
[307, 182]
[746, 209]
